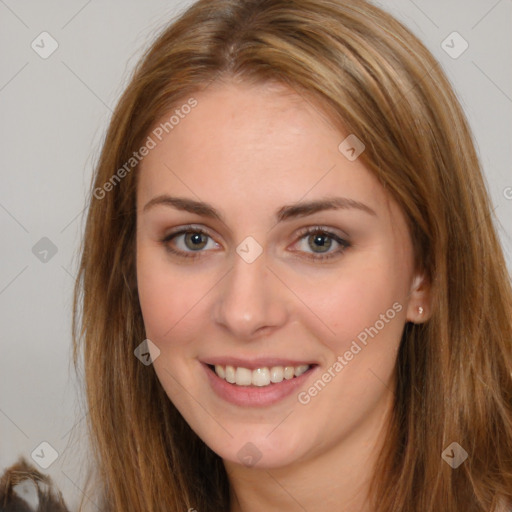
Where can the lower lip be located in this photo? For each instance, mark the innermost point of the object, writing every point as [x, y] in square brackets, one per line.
[255, 396]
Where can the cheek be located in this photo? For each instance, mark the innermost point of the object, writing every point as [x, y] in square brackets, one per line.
[168, 295]
[365, 300]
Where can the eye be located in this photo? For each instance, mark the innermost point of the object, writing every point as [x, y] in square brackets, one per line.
[320, 241]
[189, 240]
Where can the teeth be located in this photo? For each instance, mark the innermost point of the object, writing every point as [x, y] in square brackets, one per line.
[230, 374]
[299, 370]
[219, 370]
[276, 374]
[243, 377]
[260, 376]
[288, 372]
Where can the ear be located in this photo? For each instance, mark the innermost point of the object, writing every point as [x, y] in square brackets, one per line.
[419, 307]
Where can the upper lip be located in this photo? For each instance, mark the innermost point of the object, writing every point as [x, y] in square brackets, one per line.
[252, 364]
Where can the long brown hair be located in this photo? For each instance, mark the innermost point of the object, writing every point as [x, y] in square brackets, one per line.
[372, 78]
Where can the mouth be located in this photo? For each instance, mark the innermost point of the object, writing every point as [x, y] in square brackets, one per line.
[257, 383]
[259, 377]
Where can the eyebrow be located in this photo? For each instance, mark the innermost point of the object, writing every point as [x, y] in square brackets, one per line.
[286, 212]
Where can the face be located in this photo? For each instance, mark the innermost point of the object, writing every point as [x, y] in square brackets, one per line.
[275, 276]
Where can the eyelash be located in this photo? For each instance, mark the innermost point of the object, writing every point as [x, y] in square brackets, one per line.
[344, 244]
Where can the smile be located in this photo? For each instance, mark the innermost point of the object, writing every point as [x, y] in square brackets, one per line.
[261, 377]
[257, 383]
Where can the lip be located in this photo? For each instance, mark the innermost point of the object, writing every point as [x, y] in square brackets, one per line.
[254, 396]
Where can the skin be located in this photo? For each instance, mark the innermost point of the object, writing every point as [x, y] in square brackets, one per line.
[249, 150]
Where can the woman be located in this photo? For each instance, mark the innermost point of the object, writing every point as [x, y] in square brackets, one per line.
[289, 221]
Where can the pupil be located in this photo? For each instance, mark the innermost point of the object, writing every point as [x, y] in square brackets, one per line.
[195, 238]
[321, 242]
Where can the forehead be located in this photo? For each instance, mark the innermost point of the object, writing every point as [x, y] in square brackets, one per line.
[260, 142]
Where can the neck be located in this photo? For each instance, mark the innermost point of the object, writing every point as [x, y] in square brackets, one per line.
[333, 478]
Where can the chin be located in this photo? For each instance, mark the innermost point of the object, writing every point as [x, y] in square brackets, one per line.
[256, 448]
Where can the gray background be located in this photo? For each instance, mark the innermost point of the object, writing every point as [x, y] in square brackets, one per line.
[53, 116]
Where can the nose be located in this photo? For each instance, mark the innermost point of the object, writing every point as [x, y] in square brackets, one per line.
[251, 300]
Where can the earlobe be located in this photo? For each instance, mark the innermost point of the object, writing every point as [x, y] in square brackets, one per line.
[418, 308]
